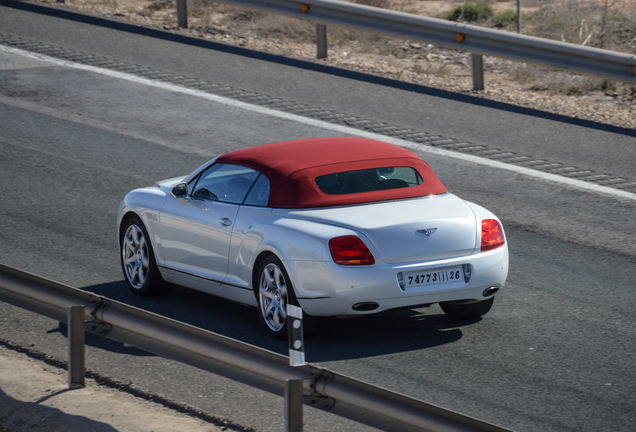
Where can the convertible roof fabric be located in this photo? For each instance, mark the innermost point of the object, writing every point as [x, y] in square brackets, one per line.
[292, 167]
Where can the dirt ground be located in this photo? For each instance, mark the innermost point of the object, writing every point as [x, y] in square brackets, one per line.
[603, 23]
[34, 396]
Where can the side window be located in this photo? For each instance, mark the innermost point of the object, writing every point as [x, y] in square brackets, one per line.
[225, 183]
[259, 195]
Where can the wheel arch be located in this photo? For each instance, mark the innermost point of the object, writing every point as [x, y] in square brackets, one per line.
[124, 218]
[275, 240]
[130, 213]
[257, 265]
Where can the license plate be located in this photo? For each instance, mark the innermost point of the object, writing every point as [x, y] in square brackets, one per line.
[433, 276]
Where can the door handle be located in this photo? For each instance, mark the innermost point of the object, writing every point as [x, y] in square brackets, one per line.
[225, 222]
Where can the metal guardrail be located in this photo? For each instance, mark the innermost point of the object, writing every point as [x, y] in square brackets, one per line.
[477, 40]
[238, 361]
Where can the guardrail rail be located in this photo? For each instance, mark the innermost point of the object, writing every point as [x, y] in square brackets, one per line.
[458, 36]
[256, 367]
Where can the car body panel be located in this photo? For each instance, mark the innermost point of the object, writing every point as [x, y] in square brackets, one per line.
[193, 239]
[258, 231]
[145, 203]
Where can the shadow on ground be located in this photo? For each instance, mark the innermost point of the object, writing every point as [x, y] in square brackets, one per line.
[326, 339]
[33, 415]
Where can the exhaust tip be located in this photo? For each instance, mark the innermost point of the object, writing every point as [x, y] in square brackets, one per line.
[365, 306]
[490, 291]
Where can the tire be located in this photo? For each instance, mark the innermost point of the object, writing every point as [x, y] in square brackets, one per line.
[274, 291]
[466, 311]
[138, 260]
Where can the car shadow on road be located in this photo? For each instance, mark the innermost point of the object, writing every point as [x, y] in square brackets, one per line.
[329, 339]
[326, 339]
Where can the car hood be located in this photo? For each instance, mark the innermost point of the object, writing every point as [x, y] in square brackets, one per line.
[408, 230]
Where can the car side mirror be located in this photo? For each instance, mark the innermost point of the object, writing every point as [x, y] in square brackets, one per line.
[180, 190]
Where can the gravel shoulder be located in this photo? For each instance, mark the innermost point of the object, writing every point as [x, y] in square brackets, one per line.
[35, 396]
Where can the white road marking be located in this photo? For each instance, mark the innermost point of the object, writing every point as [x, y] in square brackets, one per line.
[329, 126]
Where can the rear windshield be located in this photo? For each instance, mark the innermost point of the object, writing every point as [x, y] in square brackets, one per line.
[367, 180]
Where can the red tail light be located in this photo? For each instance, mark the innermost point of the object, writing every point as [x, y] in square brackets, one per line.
[492, 235]
[350, 250]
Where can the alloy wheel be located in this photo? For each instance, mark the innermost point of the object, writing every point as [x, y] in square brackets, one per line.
[273, 297]
[134, 251]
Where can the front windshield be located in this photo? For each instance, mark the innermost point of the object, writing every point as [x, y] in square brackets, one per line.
[224, 182]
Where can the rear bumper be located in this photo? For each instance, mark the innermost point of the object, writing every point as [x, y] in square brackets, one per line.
[327, 289]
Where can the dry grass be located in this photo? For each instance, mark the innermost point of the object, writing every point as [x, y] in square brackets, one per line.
[604, 24]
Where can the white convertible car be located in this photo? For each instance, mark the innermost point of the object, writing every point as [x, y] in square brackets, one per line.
[338, 226]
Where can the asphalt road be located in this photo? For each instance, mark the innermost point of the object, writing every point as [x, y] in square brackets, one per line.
[556, 353]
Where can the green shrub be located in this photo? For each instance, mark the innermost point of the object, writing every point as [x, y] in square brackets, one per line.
[471, 12]
[505, 18]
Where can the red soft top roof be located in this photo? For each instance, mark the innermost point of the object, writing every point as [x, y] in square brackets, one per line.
[292, 167]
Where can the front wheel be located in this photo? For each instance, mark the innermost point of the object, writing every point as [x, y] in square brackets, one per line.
[138, 260]
[273, 292]
[468, 310]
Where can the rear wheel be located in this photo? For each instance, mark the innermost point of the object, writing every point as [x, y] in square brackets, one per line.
[467, 310]
[138, 260]
[273, 292]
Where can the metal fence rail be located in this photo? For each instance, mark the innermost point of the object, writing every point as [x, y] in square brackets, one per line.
[241, 362]
[463, 37]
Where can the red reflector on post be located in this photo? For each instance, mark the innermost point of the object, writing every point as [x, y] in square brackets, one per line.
[492, 235]
[350, 250]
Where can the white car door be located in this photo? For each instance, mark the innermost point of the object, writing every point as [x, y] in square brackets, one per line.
[196, 230]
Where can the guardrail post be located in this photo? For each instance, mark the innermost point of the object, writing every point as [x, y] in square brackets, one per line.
[321, 41]
[478, 71]
[295, 335]
[294, 405]
[76, 343]
[182, 13]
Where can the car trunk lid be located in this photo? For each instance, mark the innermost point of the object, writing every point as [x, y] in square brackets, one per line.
[406, 231]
